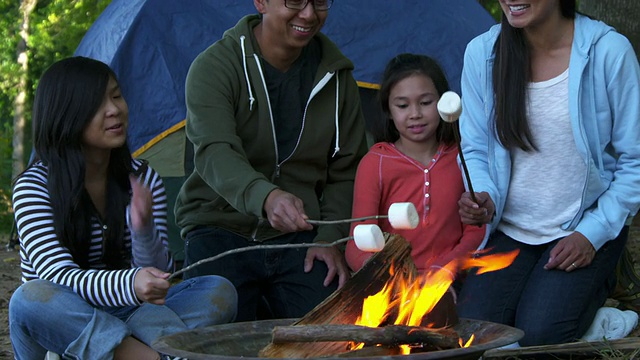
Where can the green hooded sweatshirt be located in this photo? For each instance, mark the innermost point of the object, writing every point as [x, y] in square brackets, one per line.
[229, 122]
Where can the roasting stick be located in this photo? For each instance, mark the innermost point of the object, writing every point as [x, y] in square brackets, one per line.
[346, 221]
[257, 247]
[368, 237]
[401, 215]
[450, 109]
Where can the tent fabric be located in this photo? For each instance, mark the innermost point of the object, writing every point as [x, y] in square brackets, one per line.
[151, 43]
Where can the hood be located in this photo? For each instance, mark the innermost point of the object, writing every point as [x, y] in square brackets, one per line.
[332, 62]
[585, 36]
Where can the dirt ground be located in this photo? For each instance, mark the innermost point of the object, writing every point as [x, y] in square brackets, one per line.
[10, 280]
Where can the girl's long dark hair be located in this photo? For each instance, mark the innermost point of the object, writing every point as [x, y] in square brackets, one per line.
[511, 74]
[69, 94]
[399, 68]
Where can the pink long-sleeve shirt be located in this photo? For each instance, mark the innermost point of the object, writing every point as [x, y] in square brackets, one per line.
[386, 176]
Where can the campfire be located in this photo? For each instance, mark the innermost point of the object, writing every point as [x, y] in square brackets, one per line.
[387, 308]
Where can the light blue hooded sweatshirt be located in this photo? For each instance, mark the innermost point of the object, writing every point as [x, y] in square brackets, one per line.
[604, 105]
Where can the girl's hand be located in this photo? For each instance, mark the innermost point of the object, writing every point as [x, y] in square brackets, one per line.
[151, 285]
[476, 213]
[573, 252]
[141, 202]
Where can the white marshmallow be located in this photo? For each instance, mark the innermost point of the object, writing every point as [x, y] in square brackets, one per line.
[368, 237]
[403, 215]
[450, 106]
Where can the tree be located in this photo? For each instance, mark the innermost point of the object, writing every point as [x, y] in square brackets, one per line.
[42, 32]
[19, 120]
[621, 14]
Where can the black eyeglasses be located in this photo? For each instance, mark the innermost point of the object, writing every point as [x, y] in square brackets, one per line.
[321, 5]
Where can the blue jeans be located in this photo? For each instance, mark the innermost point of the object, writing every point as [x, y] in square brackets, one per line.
[47, 316]
[270, 283]
[550, 306]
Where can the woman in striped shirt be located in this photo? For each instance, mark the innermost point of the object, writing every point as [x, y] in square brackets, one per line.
[93, 233]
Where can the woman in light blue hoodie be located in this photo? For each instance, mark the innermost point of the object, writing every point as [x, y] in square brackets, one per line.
[551, 136]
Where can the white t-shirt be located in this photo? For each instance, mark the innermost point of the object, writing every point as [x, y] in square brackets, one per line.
[546, 185]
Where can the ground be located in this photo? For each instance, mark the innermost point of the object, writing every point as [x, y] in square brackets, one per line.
[10, 279]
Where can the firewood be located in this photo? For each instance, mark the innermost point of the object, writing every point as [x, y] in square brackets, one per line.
[344, 306]
[443, 338]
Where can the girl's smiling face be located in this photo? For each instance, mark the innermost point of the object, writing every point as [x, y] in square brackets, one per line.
[413, 108]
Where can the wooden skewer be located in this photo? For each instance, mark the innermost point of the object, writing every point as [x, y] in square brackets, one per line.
[456, 133]
[257, 247]
[345, 221]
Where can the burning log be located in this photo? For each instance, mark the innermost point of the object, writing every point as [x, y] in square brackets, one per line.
[344, 306]
[390, 335]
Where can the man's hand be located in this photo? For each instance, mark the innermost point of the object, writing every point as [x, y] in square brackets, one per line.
[476, 213]
[140, 210]
[285, 212]
[335, 263]
[151, 285]
[571, 253]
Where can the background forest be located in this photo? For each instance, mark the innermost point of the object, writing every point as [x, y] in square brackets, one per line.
[36, 33]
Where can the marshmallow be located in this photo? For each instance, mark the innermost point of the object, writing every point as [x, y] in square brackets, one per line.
[368, 237]
[403, 215]
[449, 106]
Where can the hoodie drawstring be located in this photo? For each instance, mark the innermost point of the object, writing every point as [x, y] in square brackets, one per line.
[246, 73]
[337, 148]
[253, 99]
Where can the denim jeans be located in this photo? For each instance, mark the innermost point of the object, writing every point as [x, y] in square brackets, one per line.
[47, 316]
[550, 306]
[271, 279]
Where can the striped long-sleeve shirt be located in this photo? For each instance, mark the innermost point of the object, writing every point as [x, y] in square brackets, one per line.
[44, 257]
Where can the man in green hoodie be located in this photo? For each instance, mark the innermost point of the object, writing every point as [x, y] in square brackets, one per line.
[273, 112]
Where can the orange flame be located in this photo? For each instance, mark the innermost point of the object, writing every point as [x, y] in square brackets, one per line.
[412, 298]
[488, 263]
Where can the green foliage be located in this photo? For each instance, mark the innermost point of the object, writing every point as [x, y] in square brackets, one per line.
[493, 7]
[9, 68]
[6, 216]
[56, 28]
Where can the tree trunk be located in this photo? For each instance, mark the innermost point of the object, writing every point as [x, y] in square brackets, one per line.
[621, 14]
[19, 121]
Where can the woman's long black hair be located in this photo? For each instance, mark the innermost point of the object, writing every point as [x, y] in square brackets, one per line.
[69, 94]
[511, 74]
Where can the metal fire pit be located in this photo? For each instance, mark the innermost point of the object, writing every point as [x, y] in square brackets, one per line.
[244, 340]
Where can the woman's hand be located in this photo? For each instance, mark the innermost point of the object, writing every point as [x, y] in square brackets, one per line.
[476, 213]
[140, 210]
[151, 285]
[573, 252]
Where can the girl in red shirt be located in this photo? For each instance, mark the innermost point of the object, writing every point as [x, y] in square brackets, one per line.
[414, 160]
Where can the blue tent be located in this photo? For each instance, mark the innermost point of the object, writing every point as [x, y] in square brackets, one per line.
[151, 43]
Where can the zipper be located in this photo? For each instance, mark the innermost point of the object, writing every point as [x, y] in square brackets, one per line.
[316, 89]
